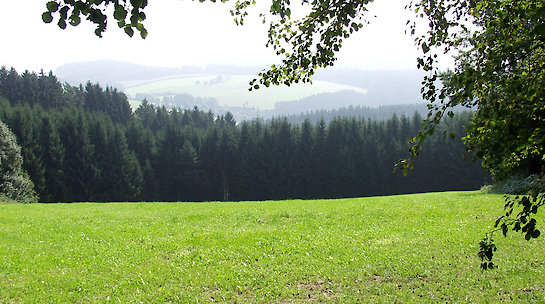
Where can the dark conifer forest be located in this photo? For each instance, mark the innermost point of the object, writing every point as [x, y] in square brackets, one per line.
[84, 143]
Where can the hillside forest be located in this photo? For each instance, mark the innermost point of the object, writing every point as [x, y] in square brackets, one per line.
[84, 143]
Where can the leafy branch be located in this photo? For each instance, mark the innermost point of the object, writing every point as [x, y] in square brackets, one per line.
[523, 222]
[129, 14]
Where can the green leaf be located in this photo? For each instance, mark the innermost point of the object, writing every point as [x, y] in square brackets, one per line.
[498, 221]
[120, 13]
[425, 47]
[129, 31]
[489, 253]
[536, 233]
[504, 229]
[64, 12]
[275, 7]
[143, 33]
[134, 20]
[142, 16]
[98, 32]
[52, 6]
[62, 23]
[75, 20]
[46, 17]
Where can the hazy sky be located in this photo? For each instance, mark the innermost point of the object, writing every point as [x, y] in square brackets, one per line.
[183, 32]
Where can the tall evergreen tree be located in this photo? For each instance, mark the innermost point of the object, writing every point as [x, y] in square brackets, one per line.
[320, 159]
[80, 171]
[302, 161]
[53, 158]
[26, 124]
[51, 92]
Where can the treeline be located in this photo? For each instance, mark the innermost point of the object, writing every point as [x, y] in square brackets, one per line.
[84, 144]
[359, 112]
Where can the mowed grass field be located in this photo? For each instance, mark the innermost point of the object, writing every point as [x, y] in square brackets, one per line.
[233, 90]
[409, 248]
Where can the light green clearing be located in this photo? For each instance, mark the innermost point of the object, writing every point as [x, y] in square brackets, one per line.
[134, 104]
[233, 91]
[411, 248]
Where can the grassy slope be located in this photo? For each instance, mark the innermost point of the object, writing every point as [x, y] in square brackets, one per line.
[234, 91]
[417, 248]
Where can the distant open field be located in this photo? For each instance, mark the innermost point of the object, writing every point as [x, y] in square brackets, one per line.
[232, 90]
[410, 248]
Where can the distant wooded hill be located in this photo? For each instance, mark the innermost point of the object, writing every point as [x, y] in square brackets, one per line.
[225, 88]
[359, 112]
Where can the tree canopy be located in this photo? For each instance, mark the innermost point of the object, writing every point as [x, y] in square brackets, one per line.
[499, 71]
[15, 183]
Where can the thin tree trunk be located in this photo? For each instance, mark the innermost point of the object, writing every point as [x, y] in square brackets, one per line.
[225, 185]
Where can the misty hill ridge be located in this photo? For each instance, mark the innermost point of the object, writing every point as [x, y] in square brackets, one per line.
[333, 88]
[114, 72]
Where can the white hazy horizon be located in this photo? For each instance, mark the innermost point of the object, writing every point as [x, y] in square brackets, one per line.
[187, 33]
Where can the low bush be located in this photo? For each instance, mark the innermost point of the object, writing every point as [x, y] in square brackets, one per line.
[517, 185]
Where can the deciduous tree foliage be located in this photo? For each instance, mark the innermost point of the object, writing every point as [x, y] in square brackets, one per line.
[500, 72]
[128, 14]
[14, 181]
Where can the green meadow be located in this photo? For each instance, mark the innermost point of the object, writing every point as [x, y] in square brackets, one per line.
[408, 248]
[233, 89]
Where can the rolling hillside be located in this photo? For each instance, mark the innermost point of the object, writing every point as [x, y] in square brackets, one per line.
[232, 90]
[394, 249]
